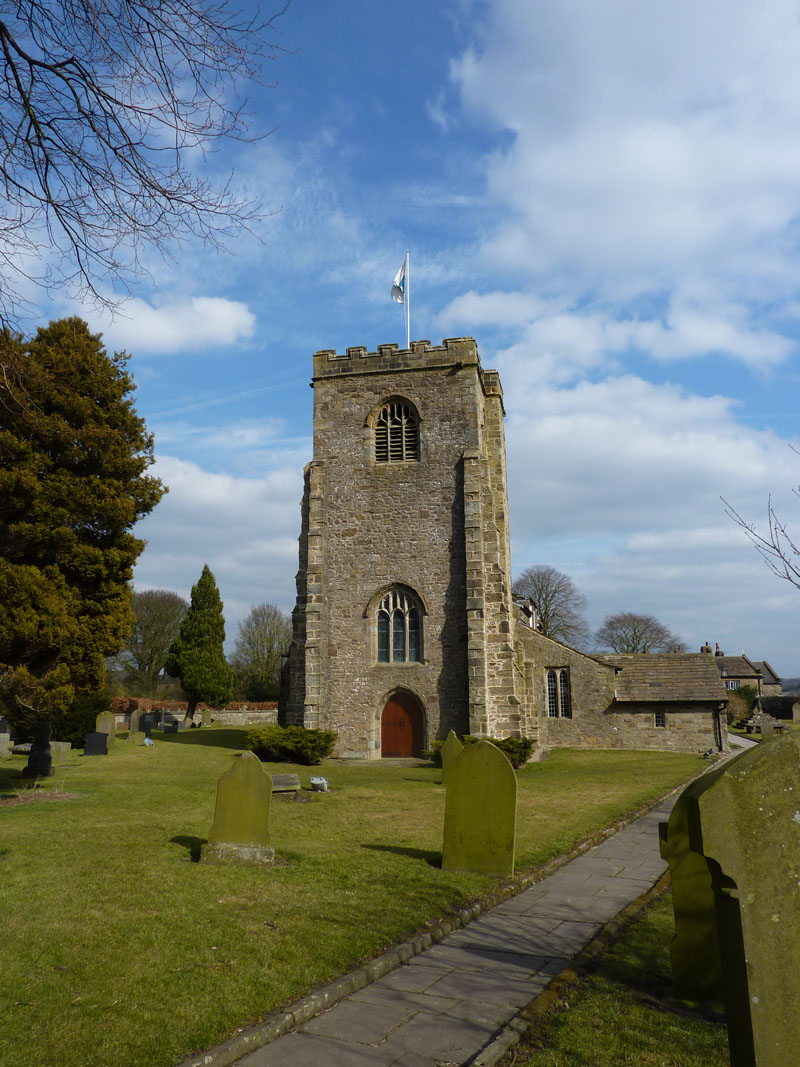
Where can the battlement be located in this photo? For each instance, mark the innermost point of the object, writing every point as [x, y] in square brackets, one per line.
[453, 352]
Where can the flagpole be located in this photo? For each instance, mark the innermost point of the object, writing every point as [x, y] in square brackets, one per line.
[408, 301]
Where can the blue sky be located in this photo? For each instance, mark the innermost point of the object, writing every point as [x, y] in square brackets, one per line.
[605, 195]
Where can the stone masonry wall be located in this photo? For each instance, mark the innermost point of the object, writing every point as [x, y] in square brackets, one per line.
[597, 720]
[368, 526]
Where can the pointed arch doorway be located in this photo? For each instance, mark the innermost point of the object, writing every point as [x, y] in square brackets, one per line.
[401, 727]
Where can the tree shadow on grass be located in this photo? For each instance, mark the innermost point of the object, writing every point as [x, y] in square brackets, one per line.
[433, 859]
[222, 738]
[191, 844]
[11, 779]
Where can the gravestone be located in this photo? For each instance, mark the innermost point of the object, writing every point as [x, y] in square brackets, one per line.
[181, 724]
[767, 728]
[451, 748]
[240, 833]
[135, 721]
[40, 759]
[285, 783]
[5, 745]
[480, 811]
[796, 711]
[147, 722]
[60, 750]
[206, 717]
[744, 819]
[696, 965]
[106, 723]
[95, 744]
[136, 738]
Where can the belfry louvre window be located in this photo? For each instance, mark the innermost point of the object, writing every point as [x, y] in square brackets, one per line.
[399, 629]
[559, 704]
[396, 433]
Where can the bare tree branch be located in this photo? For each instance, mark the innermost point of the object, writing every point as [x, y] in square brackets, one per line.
[776, 546]
[104, 106]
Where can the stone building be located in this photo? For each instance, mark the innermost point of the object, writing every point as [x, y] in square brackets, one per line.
[404, 626]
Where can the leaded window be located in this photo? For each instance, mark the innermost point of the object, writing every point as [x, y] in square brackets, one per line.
[399, 628]
[396, 433]
[559, 703]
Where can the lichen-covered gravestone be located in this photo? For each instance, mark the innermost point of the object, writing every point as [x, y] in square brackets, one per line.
[106, 723]
[136, 738]
[240, 833]
[136, 717]
[696, 967]
[40, 759]
[451, 749]
[480, 811]
[745, 820]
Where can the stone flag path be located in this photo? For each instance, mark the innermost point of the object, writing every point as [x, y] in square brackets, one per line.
[448, 1004]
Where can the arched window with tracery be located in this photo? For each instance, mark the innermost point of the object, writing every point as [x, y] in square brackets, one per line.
[559, 704]
[396, 433]
[399, 628]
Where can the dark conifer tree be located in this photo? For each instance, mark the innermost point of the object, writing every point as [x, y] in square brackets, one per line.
[196, 655]
[73, 456]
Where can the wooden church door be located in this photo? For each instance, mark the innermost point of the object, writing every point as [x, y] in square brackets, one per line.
[401, 727]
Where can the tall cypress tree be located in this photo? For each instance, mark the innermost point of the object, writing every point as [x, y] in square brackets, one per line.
[196, 655]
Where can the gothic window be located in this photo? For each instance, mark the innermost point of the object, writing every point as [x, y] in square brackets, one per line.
[396, 433]
[559, 703]
[399, 628]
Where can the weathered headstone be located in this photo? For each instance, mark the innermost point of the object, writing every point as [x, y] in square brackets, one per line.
[5, 745]
[147, 723]
[60, 750]
[136, 738]
[796, 711]
[480, 811]
[181, 724]
[745, 820]
[696, 966]
[135, 722]
[106, 723]
[285, 783]
[767, 728]
[95, 744]
[40, 759]
[240, 833]
[451, 749]
[206, 716]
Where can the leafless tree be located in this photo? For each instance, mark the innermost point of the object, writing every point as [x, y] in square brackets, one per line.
[558, 604]
[628, 632]
[158, 614]
[776, 546]
[106, 107]
[263, 638]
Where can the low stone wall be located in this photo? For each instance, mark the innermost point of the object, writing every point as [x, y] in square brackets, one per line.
[238, 713]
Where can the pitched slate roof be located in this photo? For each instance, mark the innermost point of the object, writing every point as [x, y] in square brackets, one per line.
[666, 678]
[769, 675]
[737, 667]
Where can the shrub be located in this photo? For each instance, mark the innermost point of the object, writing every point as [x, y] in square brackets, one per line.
[80, 719]
[518, 749]
[290, 744]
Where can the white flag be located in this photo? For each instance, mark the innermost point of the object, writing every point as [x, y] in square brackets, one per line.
[399, 287]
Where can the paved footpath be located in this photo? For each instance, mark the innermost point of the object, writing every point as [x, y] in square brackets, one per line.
[450, 1002]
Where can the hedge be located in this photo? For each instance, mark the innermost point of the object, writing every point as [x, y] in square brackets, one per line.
[518, 749]
[290, 744]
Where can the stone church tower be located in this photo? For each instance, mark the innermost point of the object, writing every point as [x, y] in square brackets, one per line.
[403, 624]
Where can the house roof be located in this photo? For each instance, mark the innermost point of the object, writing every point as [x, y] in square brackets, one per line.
[666, 678]
[736, 667]
[769, 677]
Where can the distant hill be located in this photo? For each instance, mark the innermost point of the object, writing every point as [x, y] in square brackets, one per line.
[790, 685]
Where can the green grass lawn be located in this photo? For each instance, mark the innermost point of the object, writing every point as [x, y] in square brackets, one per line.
[623, 1015]
[119, 950]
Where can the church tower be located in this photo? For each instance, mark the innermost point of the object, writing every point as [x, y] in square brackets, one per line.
[403, 623]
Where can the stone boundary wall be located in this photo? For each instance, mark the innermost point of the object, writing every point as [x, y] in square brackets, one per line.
[237, 713]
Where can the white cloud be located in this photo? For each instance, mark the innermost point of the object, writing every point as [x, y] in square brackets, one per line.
[178, 325]
[245, 528]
